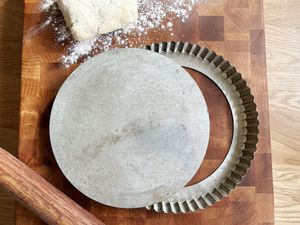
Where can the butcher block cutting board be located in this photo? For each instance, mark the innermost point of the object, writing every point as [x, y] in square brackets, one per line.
[232, 28]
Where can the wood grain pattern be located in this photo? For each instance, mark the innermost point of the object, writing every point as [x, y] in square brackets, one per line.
[280, 26]
[283, 59]
[238, 35]
[11, 26]
[42, 198]
[220, 123]
[39, 88]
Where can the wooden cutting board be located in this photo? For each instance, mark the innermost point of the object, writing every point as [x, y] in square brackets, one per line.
[232, 28]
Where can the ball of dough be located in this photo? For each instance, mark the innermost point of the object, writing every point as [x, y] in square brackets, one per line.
[88, 18]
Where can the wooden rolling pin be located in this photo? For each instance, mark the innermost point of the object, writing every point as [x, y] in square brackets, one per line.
[46, 201]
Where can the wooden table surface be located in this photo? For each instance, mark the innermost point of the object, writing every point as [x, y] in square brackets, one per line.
[282, 27]
[283, 90]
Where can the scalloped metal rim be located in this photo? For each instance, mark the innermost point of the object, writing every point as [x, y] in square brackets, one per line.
[245, 127]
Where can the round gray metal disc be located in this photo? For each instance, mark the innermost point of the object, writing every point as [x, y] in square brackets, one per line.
[129, 128]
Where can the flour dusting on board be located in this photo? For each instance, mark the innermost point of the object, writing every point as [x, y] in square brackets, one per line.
[46, 4]
[152, 14]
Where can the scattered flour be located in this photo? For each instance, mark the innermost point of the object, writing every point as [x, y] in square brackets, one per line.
[46, 4]
[152, 14]
[79, 49]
